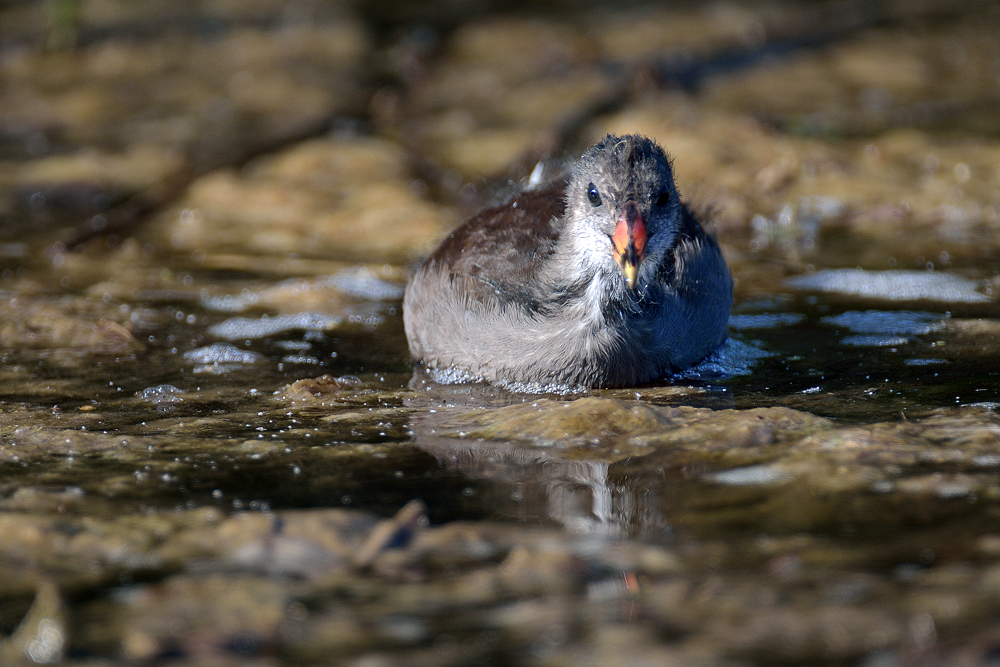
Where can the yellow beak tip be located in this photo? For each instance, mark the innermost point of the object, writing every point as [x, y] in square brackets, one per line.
[630, 271]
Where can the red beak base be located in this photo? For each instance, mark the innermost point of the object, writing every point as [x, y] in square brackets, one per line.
[629, 242]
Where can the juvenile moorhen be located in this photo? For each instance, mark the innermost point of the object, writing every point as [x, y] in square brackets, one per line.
[604, 279]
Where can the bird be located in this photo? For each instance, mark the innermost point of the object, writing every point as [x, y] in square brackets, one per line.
[600, 279]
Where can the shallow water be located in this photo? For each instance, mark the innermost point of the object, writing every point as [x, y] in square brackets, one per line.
[205, 417]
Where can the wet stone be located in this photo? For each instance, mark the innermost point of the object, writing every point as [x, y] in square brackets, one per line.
[346, 198]
[504, 82]
[592, 428]
[311, 390]
[32, 444]
[64, 323]
[548, 422]
[200, 616]
[788, 190]
[829, 632]
[34, 499]
[172, 114]
[313, 544]
[320, 637]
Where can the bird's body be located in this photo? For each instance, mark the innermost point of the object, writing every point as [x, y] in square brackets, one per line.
[603, 280]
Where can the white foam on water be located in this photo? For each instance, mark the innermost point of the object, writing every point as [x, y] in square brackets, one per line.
[875, 341]
[748, 476]
[222, 353]
[924, 362]
[363, 284]
[163, 394]
[242, 328]
[359, 284]
[892, 285]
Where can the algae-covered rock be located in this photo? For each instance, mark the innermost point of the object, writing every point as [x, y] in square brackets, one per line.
[348, 198]
[311, 390]
[200, 616]
[41, 323]
[548, 422]
[601, 423]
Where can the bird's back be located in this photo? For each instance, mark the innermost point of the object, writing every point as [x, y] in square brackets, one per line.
[499, 252]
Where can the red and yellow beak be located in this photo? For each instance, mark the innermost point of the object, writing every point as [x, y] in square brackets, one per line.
[629, 242]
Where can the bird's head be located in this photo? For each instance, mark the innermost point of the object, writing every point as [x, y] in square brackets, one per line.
[622, 206]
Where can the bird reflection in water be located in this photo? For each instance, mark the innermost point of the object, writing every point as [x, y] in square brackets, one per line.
[596, 498]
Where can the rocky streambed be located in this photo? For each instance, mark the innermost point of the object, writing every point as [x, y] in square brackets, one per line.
[215, 450]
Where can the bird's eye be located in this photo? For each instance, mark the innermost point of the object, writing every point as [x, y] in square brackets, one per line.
[663, 198]
[593, 196]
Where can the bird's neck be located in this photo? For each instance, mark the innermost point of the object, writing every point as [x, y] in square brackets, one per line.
[584, 278]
